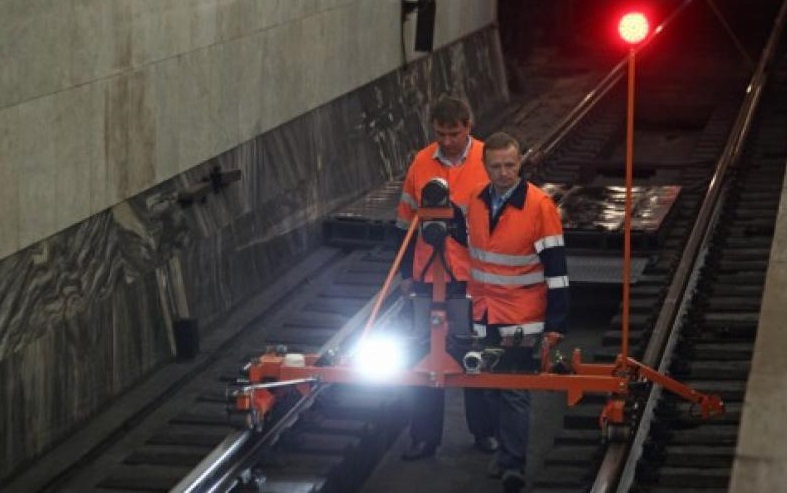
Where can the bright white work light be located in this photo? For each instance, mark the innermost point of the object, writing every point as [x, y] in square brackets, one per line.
[378, 357]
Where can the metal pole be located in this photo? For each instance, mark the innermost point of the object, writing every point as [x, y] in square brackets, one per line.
[627, 217]
[389, 279]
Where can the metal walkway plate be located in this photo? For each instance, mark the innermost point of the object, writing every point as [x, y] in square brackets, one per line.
[603, 270]
[593, 216]
[370, 220]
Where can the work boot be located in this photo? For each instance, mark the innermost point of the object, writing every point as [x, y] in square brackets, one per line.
[486, 444]
[418, 450]
[513, 481]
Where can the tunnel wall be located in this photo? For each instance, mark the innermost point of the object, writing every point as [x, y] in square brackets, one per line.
[88, 311]
[100, 100]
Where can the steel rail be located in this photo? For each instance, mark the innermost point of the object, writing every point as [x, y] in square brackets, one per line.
[219, 471]
[618, 466]
[214, 463]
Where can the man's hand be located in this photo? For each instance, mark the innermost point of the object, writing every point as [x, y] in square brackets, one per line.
[548, 341]
[406, 287]
[552, 339]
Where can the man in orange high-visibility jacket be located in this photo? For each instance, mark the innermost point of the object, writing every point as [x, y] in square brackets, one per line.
[519, 285]
[455, 156]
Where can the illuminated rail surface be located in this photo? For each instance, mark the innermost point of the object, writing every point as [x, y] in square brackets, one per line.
[331, 441]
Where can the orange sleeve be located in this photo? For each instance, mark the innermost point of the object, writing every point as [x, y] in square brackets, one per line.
[408, 202]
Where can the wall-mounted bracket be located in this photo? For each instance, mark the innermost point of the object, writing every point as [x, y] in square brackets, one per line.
[410, 6]
[424, 27]
[214, 182]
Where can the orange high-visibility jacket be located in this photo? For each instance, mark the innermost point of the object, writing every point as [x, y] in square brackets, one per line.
[517, 260]
[462, 179]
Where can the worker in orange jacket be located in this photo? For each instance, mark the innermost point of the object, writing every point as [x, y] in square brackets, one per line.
[519, 286]
[454, 156]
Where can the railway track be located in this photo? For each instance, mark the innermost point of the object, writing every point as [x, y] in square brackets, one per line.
[713, 340]
[187, 421]
[331, 441]
[717, 336]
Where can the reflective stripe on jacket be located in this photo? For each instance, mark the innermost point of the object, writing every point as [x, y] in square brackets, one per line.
[507, 278]
[462, 180]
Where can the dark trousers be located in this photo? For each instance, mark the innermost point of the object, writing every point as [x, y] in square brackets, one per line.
[429, 403]
[427, 418]
[429, 409]
[510, 409]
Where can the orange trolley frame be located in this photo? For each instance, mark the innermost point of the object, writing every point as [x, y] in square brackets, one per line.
[439, 369]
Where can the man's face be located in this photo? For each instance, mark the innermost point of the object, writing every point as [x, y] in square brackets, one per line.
[452, 138]
[502, 166]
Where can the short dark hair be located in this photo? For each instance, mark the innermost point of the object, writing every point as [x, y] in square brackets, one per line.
[501, 140]
[449, 110]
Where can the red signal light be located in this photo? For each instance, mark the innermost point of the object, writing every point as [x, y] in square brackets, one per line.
[633, 27]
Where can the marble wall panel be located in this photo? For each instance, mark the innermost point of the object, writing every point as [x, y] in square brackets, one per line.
[130, 129]
[63, 377]
[461, 17]
[142, 132]
[328, 71]
[288, 76]
[42, 169]
[99, 39]
[101, 191]
[7, 382]
[202, 27]
[160, 29]
[365, 47]
[275, 80]
[252, 116]
[26, 385]
[36, 169]
[164, 88]
[32, 49]
[10, 91]
[9, 190]
[72, 144]
[87, 312]
[225, 95]
[237, 18]
[195, 135]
